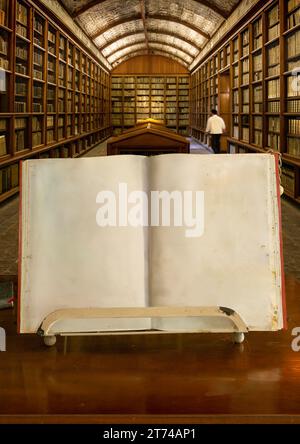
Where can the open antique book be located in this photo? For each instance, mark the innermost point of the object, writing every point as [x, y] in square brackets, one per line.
[95, 236]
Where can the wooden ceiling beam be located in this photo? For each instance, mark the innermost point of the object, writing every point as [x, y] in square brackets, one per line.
[150, 17]
[151, 31]
[86, 7]
[159, 42]
[222, 12]
[209, 4]
[143, 13]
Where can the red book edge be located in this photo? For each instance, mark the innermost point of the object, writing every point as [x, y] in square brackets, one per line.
[20, 248]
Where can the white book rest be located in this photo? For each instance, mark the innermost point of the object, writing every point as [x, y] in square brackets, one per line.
[71, 322]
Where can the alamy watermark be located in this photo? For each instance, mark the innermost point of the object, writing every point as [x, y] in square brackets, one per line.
[296, 341]
[164, 208]
[2, 340]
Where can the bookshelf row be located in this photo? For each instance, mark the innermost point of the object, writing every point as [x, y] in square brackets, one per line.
[76, 147]
[163, 98]
[262, 64]
[51, 90]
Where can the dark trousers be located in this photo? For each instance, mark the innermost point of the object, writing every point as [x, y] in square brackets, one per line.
[216, 143]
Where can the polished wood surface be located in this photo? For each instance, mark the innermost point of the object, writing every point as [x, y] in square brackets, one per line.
[150, 64]
[149, 139]
[171, 378]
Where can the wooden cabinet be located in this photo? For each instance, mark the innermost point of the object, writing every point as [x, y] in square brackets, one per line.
[148, 138]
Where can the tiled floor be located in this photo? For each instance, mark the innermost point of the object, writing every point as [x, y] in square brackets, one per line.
[9, 227]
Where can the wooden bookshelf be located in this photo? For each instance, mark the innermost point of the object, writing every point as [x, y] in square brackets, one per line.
[160, 97]
[54, 97]
[264, 72]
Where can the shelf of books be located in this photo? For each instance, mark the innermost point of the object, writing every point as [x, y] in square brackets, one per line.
[54, 97]
[164, 98]
[263, 61]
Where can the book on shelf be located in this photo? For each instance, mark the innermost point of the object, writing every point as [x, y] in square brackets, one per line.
[273, 23]
[293, 146]
[245, 100]
[273, 141]
[20, 124]
[21, 30]
[3, 12]
[37, 107]
[274, 124]
[245, 43]
[245, 71]
[22, 51]
[50, 135]
[36, 124]
[3, 45]
[4, 64]
[50, 121]
[21, 68]
[258, 136]
[38, 24]
[288, 178]
[38, 58]
[273, 60]
[50, 108]
[294, 13]
[37, 139]
[274, 107]
[245, 134]
[292, 4]
[293, 82]
[22, 13]
[257, 34]
[293, 106]
[37, 74]
[20, 107]
[20, 139]
[257, 67]
[294, 127]
[37, 91]
[258, 123]
[3, 147]
[14, 175]
[274, 89]
[293, 47]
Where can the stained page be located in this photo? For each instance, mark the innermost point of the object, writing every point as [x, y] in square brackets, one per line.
[67, 259]
[232, 258]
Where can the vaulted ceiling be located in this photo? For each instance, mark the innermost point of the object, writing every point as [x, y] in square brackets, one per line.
[122, 29]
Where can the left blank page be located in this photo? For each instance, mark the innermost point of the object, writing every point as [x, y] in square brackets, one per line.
[67, 260]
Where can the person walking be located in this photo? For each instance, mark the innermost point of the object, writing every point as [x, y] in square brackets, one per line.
[215, 127]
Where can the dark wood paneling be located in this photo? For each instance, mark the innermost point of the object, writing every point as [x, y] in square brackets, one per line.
[150, 64]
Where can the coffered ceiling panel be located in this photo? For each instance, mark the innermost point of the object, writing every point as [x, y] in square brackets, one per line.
[174, 28]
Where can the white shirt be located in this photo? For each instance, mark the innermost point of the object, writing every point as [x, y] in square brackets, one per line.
[215, 125]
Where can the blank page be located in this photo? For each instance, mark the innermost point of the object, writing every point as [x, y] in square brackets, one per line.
[236, 262]
[68, 261]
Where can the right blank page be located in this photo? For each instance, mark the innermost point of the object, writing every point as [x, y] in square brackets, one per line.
[236, 262]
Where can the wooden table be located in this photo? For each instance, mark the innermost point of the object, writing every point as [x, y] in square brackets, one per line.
[148, 139]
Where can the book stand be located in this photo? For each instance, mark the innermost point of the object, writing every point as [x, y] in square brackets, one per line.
[51, 326]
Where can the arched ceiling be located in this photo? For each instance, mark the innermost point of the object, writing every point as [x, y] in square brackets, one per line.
[178, 29]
